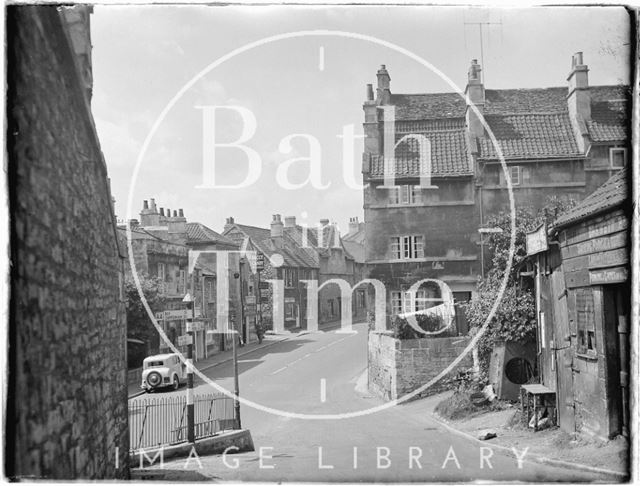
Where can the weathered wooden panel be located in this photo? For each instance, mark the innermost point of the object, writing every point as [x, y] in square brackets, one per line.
[595, 228]
[604, 243]
[609, 258]
[608, 276]
[564, 353]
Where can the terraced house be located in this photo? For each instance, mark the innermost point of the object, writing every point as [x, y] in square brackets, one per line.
[555, 141]
[293, 254]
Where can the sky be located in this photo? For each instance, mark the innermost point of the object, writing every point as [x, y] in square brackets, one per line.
[302, 92]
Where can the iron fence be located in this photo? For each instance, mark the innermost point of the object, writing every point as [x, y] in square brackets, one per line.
[157, 421]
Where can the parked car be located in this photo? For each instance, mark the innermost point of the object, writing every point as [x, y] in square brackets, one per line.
[162, 370]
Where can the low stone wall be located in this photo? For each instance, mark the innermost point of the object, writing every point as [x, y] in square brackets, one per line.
[397, 367]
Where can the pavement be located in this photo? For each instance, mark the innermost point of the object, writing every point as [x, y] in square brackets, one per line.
[550, 446]
[312, 419]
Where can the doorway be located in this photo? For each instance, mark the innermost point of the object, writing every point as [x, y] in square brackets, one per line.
[616, 344]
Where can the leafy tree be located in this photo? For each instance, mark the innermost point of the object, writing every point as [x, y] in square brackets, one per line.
[515, 316]
[139, 325]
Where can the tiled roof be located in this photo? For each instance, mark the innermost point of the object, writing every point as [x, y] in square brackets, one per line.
[530, 136]
[425, 106]
[357, 236]
[611, 194]
[545, 131]
[199, 233]
[537, 100]
[293, 255]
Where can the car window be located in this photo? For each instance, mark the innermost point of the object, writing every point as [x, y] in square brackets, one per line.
[153, 364]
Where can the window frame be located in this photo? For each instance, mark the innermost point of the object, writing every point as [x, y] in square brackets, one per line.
[515, 181]
[612, 150]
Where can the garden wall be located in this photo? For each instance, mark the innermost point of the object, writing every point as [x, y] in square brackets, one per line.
[397, 367]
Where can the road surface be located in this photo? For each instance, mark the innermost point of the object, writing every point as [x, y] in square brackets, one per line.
[318, 373]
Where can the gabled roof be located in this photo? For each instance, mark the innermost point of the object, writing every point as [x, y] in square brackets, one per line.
[610, 195]
[527, 123]
[355, 249]
[199, 233]
[293, 254]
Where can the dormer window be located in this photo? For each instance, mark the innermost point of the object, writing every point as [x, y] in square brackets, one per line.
[617, 157]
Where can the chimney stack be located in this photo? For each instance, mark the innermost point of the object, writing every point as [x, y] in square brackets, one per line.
[324, 222]
[354, 225]
[149, 215]
[290, 222]
[384, 86]
[277, 230]
[475, 96]
[579, 100]
[177, 225]
[229, 223]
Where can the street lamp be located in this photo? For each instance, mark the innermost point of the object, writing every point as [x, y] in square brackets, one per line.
[190, 412]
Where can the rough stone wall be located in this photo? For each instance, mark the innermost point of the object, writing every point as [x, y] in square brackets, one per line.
[67, 403]
[398, 367]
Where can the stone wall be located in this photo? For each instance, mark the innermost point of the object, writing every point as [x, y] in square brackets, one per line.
[67, 393]
[397, 367]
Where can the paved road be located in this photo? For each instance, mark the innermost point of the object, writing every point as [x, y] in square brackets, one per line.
[317, 374]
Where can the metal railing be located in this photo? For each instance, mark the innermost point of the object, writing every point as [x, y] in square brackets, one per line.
[160, 421]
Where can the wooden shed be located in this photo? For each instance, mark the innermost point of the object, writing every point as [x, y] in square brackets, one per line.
[583, 300]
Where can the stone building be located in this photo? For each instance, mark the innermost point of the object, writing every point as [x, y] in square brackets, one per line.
[66, 415]
[305, 256]
[178, 253]
[565, 140]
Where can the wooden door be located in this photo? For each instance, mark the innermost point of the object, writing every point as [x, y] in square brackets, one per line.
[563, 355]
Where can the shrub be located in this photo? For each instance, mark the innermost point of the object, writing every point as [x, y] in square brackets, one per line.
[427, 322]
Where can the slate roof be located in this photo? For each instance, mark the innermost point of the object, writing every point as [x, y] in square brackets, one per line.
[530, 136]
[199, 233]
[610, 195]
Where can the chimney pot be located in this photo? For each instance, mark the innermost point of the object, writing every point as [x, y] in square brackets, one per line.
[153, 205]
[369, 92]
[161, 211]
[145, 204]
[324, 222]
[181, 213]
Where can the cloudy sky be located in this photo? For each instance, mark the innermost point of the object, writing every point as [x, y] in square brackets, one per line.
[302, 92]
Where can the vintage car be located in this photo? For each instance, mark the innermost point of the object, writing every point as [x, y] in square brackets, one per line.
[162, 370]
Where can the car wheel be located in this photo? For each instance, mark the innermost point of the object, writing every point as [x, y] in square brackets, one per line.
[154, 379]
[176, 382]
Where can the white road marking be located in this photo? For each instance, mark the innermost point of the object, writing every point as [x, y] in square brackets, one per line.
[323, 390]
[321, 61]
[278, 371]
